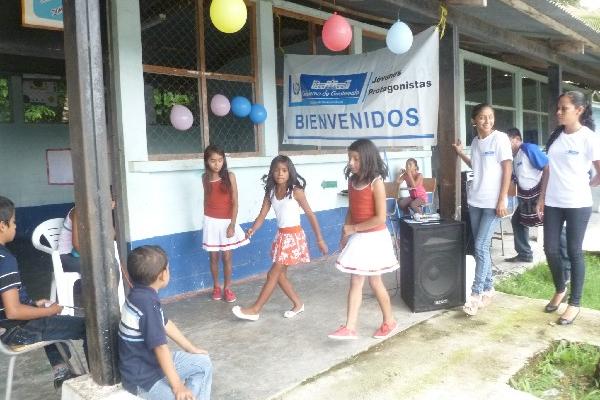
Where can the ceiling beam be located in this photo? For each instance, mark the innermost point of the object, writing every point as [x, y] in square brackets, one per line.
[29, 47]
[472, 3]
[568, 46]
[507, 40]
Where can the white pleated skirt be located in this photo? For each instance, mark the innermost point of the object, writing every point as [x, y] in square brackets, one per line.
[214, 235]
[368, 253]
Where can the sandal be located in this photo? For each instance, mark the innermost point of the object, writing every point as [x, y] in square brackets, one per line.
[472, 305]
[486, 297]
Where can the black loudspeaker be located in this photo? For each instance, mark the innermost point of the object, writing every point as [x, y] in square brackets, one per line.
[432, 264]
[465, 183]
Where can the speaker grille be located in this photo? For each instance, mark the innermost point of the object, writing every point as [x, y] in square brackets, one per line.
[432, 265]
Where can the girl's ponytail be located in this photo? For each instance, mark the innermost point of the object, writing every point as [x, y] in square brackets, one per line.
[586, 117]
[553, 136]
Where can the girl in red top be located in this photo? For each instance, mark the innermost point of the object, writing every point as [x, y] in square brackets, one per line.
[367, 249]
[414, 181]
[220, 233]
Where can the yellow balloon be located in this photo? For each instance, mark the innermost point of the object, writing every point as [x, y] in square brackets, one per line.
[228, 16]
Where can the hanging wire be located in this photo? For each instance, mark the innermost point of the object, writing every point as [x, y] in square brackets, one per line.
[442, 24]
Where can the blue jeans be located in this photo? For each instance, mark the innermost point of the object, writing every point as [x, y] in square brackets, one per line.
[577, 220]
[483, 221]
[195, 370]
[56, 327]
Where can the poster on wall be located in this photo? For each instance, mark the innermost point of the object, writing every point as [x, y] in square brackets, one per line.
[388, 98]
[45, 14]
[59, 166]
[40, 91]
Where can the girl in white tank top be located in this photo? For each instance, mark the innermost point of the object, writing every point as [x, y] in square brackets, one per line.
[284, 191]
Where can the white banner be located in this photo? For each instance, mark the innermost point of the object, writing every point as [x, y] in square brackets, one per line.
[388, 98]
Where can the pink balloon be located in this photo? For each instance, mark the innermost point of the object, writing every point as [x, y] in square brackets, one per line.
[181, 117]
[337, 33]
[220, 105]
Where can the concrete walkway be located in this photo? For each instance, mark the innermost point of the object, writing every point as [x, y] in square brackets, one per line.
[452, 356]
[271, 357]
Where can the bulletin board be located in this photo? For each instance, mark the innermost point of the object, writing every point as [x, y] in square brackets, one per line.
[59, 166]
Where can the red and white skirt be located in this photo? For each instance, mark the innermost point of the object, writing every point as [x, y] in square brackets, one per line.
[289, 246]
[214, 235]
[368, 253]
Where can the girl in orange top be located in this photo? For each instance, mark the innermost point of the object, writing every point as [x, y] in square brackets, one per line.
[220, 233]
[367, 249]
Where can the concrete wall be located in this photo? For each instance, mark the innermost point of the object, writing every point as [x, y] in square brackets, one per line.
[163, 199]
[23, 172]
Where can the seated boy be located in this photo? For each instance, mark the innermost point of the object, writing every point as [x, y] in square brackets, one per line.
[148, 369]
[27, 321]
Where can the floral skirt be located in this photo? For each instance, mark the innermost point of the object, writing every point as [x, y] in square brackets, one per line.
[289, 246]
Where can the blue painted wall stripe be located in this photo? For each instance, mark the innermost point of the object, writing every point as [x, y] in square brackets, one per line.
[189, 265]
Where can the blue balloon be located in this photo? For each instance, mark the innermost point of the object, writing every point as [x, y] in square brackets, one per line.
[240, 106]
[258, 113]
[399, 38]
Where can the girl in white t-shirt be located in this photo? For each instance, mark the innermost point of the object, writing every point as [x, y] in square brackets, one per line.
[491, 161]
[566, 196]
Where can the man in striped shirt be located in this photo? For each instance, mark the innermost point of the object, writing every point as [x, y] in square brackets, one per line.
[27, 321]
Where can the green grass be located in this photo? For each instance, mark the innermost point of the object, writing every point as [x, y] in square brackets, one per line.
[537, 283]
[566, 367]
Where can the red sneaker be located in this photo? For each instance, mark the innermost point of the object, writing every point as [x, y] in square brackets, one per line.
[229, 295]
[385, 330]
[343, 333]
[216, 294]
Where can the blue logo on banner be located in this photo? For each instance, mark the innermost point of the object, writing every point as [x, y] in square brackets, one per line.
[308, 90]
[48, 9]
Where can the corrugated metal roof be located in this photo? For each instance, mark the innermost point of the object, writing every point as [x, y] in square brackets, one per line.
[590, 19]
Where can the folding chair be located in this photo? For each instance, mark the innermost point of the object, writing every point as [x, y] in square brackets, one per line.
[13, 351]
[430, 185]
[511, 207]
[393, 212]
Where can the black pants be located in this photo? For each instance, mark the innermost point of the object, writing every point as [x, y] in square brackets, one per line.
[577, 220]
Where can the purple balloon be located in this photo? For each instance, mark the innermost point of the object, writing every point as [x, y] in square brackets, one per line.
[181, 117]
[220, 105]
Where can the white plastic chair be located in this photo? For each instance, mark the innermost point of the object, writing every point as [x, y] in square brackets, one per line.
[13, 351]
[63, 282]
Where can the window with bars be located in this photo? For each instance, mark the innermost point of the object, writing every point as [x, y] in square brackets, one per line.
[295, 34]
[187, 61]
[535, 111]
[44, 100]
[484, 84]
[5, 100]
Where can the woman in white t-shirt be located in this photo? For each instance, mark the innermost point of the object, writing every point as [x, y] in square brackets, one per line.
[491, 161]
[566, 196]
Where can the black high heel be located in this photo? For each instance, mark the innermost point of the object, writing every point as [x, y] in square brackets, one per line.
[564, 321]
[550, 308]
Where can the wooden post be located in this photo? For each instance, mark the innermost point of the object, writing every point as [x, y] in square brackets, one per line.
[554, 90]
[448, 164]
[87, 129]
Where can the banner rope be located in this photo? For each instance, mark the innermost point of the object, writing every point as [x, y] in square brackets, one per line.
[442, 24]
